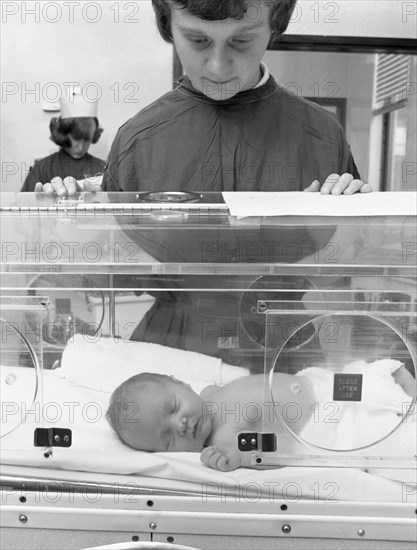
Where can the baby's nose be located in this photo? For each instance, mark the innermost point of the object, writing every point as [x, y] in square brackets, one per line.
[182, 426]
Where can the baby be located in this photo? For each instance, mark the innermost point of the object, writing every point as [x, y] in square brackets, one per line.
[158, 413]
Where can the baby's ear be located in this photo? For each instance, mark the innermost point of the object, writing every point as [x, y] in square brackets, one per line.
[175, 379]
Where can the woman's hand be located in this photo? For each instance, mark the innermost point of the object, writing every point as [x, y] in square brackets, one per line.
[221, 458]
[67, 186]
[339, 185]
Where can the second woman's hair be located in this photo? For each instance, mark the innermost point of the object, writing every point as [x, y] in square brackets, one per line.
[78, 128]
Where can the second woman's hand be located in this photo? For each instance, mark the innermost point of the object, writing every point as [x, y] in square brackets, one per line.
[66, 186]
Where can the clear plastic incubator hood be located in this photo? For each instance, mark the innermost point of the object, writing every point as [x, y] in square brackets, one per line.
[311, 299]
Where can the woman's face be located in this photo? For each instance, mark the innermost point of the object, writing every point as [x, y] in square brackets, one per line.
[79, 147]
[222, 58]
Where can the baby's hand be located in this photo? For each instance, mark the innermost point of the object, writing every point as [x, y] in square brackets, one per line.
[221, 458]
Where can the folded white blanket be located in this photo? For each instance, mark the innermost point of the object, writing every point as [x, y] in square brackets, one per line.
[104, 364]
[339, 425]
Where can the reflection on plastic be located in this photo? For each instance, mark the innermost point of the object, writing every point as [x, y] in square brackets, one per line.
[142, 546]
[169, 196]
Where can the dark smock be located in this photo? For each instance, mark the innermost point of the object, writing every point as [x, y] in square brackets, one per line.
[62, 165]
[263, 139]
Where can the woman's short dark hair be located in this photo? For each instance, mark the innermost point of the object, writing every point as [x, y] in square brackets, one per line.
[216, 10]
[78, 128]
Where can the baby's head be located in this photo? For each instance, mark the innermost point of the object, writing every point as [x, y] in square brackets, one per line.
[154, 412]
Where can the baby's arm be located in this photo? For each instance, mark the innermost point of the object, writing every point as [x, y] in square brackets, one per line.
[224, 459]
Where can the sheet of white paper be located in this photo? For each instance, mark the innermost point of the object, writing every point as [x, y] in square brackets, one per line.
[244, 204]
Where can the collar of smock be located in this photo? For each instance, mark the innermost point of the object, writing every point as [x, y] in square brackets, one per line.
[265, 87]
[265, 75]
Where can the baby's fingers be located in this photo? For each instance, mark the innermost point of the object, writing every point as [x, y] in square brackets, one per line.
[219, 461]
[207, 453]
[222, 463]
[225, 461]
[213, 458]
[228, 461]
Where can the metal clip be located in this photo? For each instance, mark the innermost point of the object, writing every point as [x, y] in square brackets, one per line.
[52, 437]
[264, 442]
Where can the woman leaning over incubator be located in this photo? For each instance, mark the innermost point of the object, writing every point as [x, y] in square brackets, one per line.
[225, 113]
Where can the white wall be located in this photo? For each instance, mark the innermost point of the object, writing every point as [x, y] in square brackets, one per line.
[114, 46]
[334, 75]
[378, 18]
[111, 48]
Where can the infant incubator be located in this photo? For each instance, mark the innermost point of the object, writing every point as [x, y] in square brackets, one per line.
[210, 288]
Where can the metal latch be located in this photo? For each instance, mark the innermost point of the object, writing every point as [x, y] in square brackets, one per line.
[52, 437]
[250, 441]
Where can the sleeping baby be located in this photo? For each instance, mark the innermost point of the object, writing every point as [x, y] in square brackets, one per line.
[158, 413]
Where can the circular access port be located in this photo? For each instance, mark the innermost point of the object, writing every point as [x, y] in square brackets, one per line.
[19, 385]
[170, 197]
[353, 399]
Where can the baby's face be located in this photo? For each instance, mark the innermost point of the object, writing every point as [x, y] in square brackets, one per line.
[169, 416]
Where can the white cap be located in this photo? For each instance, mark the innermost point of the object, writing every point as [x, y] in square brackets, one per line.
[74, 104]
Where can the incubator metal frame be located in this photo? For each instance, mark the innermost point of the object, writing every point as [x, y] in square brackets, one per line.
[203, 521]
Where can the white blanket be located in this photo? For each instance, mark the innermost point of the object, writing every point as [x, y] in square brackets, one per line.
[105, 363]
[356, 424]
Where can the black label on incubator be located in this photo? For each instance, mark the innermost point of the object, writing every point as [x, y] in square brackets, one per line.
[347, 387]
